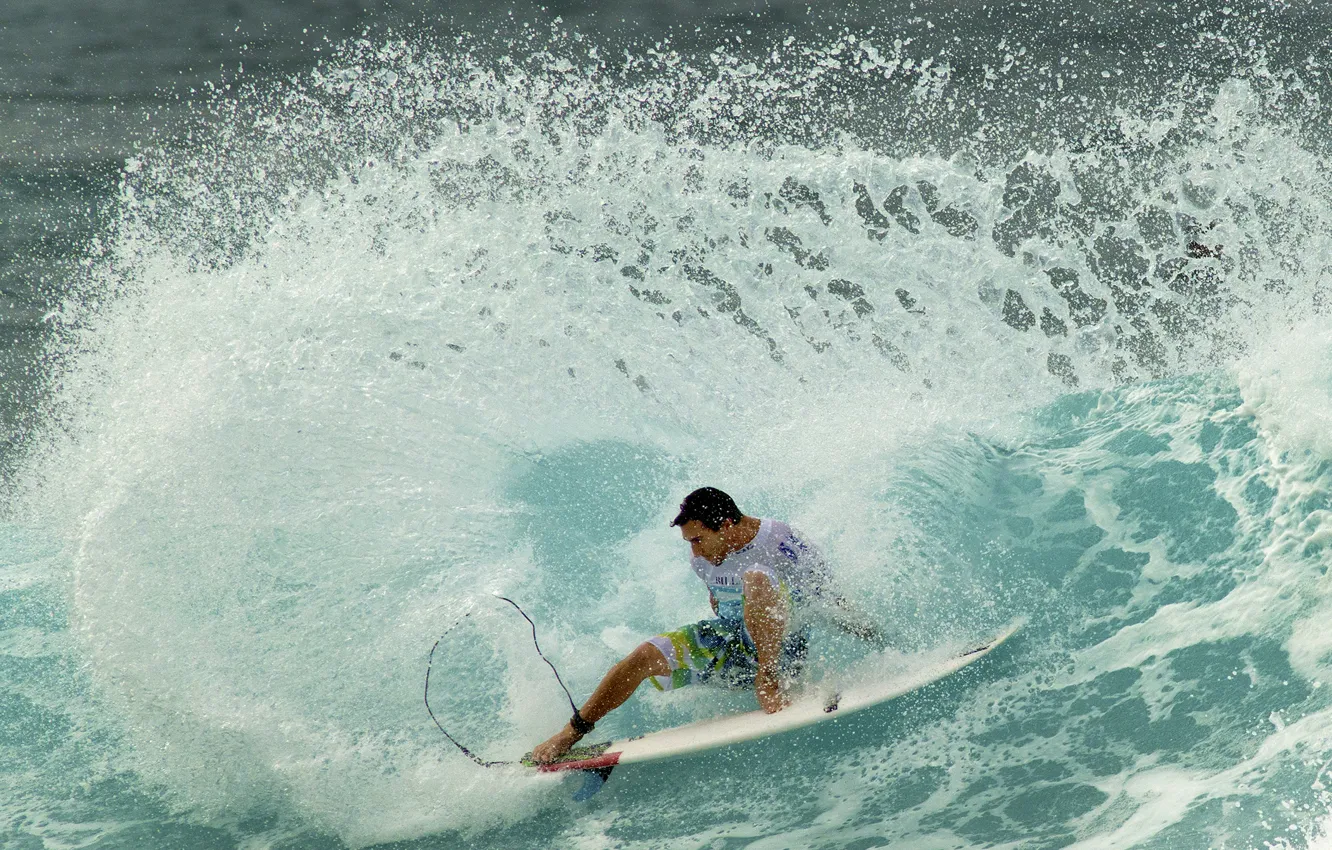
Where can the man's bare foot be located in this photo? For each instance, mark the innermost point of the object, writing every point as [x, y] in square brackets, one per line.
[557, 746]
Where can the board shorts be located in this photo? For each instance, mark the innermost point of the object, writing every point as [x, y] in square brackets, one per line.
[720, 651]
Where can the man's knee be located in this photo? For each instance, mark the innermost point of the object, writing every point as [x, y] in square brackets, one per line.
[647, 660]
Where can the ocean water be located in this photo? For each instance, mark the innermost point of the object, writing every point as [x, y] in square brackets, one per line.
[1018, 311]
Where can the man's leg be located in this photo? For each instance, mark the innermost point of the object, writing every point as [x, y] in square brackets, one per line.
[616, 687]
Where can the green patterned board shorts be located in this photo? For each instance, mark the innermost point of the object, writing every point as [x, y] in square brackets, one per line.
[720, 651]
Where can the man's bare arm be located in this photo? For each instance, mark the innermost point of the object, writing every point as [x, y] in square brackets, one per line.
[765, 618]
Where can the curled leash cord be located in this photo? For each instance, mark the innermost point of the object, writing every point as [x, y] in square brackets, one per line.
[431, 661]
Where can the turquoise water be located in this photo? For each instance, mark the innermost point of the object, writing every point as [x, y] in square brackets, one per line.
[418, 328]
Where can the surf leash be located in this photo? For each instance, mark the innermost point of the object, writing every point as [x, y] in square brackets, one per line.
[539, 652]
[430, 664]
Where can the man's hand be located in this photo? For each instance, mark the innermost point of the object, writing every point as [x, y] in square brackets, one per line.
[765, 619]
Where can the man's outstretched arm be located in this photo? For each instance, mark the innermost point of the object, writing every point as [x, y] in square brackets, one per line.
[839, 610]
[766, 615]
[853, 621]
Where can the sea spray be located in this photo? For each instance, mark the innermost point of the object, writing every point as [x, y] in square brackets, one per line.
[423, 325]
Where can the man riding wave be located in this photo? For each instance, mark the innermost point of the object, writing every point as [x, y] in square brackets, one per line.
[766, 585]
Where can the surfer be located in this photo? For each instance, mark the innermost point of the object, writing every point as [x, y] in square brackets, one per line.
[763, 581]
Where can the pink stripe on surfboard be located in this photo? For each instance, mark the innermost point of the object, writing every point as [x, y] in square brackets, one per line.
[603, 760]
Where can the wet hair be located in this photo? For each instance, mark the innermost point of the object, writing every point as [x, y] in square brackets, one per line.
[709, 506]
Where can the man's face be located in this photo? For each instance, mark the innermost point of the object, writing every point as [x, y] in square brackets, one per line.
[704, 542]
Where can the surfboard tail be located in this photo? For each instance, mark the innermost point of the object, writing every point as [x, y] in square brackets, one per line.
[605, 761]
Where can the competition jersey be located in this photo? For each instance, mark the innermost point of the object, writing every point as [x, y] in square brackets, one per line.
[791, 564]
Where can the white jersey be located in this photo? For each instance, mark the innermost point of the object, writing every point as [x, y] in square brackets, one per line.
[777, 552]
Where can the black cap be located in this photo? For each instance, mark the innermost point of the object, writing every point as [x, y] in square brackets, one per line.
[709, 506]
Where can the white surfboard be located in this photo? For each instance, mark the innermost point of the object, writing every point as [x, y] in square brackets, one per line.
[812, 708]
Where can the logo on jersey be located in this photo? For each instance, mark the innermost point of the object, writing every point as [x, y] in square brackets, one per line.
[792, 548]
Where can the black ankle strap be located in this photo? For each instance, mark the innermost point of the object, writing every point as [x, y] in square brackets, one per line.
[580, 724]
